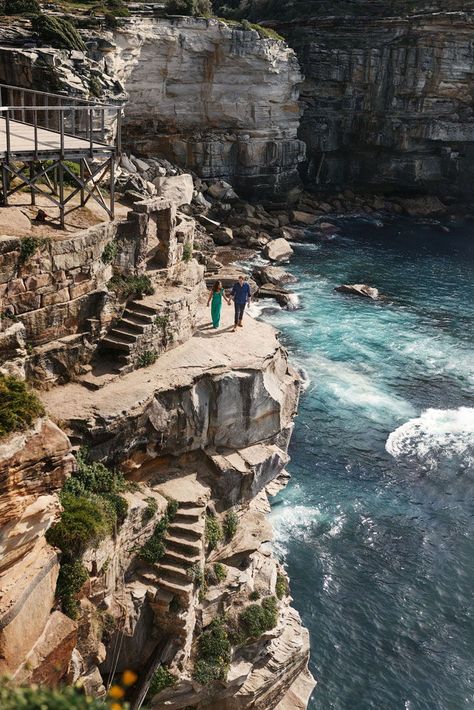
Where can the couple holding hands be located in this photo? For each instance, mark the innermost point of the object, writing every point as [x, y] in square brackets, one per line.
[240, 294]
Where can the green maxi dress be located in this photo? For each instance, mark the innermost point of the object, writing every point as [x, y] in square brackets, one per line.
[216, 306]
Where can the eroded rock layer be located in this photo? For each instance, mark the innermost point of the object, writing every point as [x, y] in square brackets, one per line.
[388, 101]
[218, 100]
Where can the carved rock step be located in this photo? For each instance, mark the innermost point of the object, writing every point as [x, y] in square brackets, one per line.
[121, 333]
[175, 544]
[186, 531]
[137, 317]
[113, 343]
[181, 560]
[177, 587]
[188, 515]
[170, 571]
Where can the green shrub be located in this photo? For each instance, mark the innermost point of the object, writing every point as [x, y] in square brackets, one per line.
[22, 7]
[256, 618]
[127, 286]
[231, 523]
[19, 407]
[117, 8]
[213, 532]
[151, 509]
[162, 678]
[215, 574]
[264, 32]
[147, 358]
[197, 8]
[72, 577]
[187, 252]
[281, 587]
[214, 654]
[110, 252]
[95, 478]
[41, 698]
[254, 595]
[154, 548]
[58, 31]
[85, 521]
[28, 246]
[196, 574]
[172, 508]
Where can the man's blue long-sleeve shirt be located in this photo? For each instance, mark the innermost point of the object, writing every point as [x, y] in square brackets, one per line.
[241, 294]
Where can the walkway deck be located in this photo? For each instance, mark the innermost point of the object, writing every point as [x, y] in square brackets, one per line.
[22, 143]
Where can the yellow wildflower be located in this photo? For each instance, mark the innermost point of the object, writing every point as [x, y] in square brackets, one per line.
[129, 678]
[116, 692]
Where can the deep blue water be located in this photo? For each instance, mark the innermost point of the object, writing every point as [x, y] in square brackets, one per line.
[379, 543]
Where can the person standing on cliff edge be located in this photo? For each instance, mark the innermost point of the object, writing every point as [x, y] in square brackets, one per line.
[215, 299]
[240, 294]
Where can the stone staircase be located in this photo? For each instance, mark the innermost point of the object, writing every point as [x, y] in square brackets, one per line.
[172, 576]
[124, 339]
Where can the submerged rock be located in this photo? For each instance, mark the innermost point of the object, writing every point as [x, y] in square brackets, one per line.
[360, 290]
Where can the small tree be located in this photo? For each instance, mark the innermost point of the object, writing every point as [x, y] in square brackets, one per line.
[196, 8]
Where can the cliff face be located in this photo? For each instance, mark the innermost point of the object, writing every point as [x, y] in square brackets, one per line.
[214, 99]
[388, 101]
[197, 422]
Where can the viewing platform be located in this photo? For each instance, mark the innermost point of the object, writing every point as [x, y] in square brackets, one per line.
[49, 141]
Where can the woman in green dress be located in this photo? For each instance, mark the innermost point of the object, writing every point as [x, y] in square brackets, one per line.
[215, 299]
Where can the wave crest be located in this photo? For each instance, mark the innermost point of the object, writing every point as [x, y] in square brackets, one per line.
[438, 437]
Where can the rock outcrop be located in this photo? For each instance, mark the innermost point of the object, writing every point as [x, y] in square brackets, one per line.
[388, 100]
[34, 645]
[186, 80]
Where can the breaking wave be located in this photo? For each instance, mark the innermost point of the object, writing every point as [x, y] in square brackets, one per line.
[438, 437]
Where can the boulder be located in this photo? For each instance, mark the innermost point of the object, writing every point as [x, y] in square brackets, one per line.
[278, 250]
[177, 189]
[422, 206]
[273, 275]
[302, 217]
[221, 190]
[200, 200]
[359, 290]
[141, 165]
[291, 233]
[223, 236]
[127, 164]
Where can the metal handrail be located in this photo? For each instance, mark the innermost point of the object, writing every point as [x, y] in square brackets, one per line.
[86, 122]
[76, 99]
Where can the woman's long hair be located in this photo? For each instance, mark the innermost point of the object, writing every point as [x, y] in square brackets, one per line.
[217, 287]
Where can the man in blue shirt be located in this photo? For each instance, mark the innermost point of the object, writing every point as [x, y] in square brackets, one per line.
[240, 294]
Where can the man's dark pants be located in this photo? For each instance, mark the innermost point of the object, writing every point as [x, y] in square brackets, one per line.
[239, 312]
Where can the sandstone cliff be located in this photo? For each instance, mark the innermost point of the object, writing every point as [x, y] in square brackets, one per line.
[152, 538]
[388, 101]
[216, 99]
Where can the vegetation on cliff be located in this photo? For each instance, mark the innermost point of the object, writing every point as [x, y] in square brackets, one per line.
[19, 407]
[93, 507]
[214, 653]
[256, 619]
[58, 31]
[196, 8]
[40, 698]
[154, 547]
[19, 7]
[127, 286]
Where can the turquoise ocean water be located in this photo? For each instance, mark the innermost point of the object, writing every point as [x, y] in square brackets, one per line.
[376, 526]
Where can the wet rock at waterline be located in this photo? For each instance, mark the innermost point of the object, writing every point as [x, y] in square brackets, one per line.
[360, 290]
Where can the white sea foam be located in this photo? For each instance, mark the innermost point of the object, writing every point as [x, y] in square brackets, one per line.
[292, 522]
[359, 389]
[436, 438]
[293, 302]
